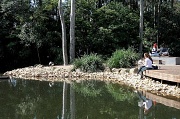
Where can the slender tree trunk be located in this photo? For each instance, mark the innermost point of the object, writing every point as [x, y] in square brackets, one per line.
[38, 54]
[72, 31]
[154, 8]
[172, 3]
[141, 26]
[40, 2]
[158, 21]
[64, 40]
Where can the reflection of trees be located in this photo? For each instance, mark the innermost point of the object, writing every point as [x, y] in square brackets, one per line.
[27, 106]
[88, 88]
[119, 93]
[104, 101]
[64, 101]
[72, 101]
[31, 98]
[94, 100]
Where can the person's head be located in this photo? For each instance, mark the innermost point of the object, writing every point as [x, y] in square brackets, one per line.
[155, 45]
[146, 55]
[146, 111]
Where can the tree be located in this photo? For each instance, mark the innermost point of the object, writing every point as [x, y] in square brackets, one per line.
[72, 31]
[64, 41]
[141, 25]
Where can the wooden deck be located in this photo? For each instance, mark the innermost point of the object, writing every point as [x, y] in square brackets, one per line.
[165, 72]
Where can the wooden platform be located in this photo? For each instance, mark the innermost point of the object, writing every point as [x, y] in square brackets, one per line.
[165, 72]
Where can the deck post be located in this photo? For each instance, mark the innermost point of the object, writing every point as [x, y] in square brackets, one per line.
[161, 81]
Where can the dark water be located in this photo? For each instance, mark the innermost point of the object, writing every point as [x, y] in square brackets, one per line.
[30, 99]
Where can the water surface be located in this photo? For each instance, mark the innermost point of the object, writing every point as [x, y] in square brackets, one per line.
[32, 99]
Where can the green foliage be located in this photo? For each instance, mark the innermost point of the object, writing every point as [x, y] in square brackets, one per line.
[90, 88]
[106, 29]
[169, 29]
[123, 58]
[163, 27]
[31, 31]
[119, 93]
[116, 27]
[89, 63]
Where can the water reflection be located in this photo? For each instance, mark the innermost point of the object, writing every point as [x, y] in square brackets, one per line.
[72, 101]
[144, 105]
[64, 101]
[150, 106]
[51, 84]
[12, 81]
[29, 99]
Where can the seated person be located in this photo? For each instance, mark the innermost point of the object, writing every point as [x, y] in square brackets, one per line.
[154, 49]
[164, 51]
[155, 52]
[147, 64]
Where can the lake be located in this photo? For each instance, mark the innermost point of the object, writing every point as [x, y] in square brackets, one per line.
[33, 99]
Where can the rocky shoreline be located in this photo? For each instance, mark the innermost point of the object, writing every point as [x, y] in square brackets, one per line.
[121, 76]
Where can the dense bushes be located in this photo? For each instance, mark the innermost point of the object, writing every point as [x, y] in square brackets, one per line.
[120, 59]
[89, 63]
[123, 58]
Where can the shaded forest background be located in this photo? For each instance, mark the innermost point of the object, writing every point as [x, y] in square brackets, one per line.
[31, 29]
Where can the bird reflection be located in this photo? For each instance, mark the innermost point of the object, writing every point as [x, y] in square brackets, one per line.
[51, 84]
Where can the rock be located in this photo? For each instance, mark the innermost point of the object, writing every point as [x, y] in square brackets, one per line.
[116, 70]
[78, 70]
[133, 70]
[123, 71]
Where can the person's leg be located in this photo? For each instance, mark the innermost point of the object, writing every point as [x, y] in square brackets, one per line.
[140, 69]
[144, 68]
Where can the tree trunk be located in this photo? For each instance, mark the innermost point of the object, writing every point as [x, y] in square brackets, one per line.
[38, 54]
[64, 41]
[72, 31]
[141, 26]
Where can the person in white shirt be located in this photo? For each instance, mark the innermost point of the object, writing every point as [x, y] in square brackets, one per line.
[147, 64]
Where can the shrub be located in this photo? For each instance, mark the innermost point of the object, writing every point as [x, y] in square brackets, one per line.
[123, 59]
[89, 63]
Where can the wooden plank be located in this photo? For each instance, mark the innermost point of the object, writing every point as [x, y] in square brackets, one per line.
[167, 75]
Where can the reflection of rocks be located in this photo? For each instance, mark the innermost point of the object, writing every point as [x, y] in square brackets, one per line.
[122, 75]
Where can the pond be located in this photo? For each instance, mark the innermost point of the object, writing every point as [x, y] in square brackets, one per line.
[33, 99]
